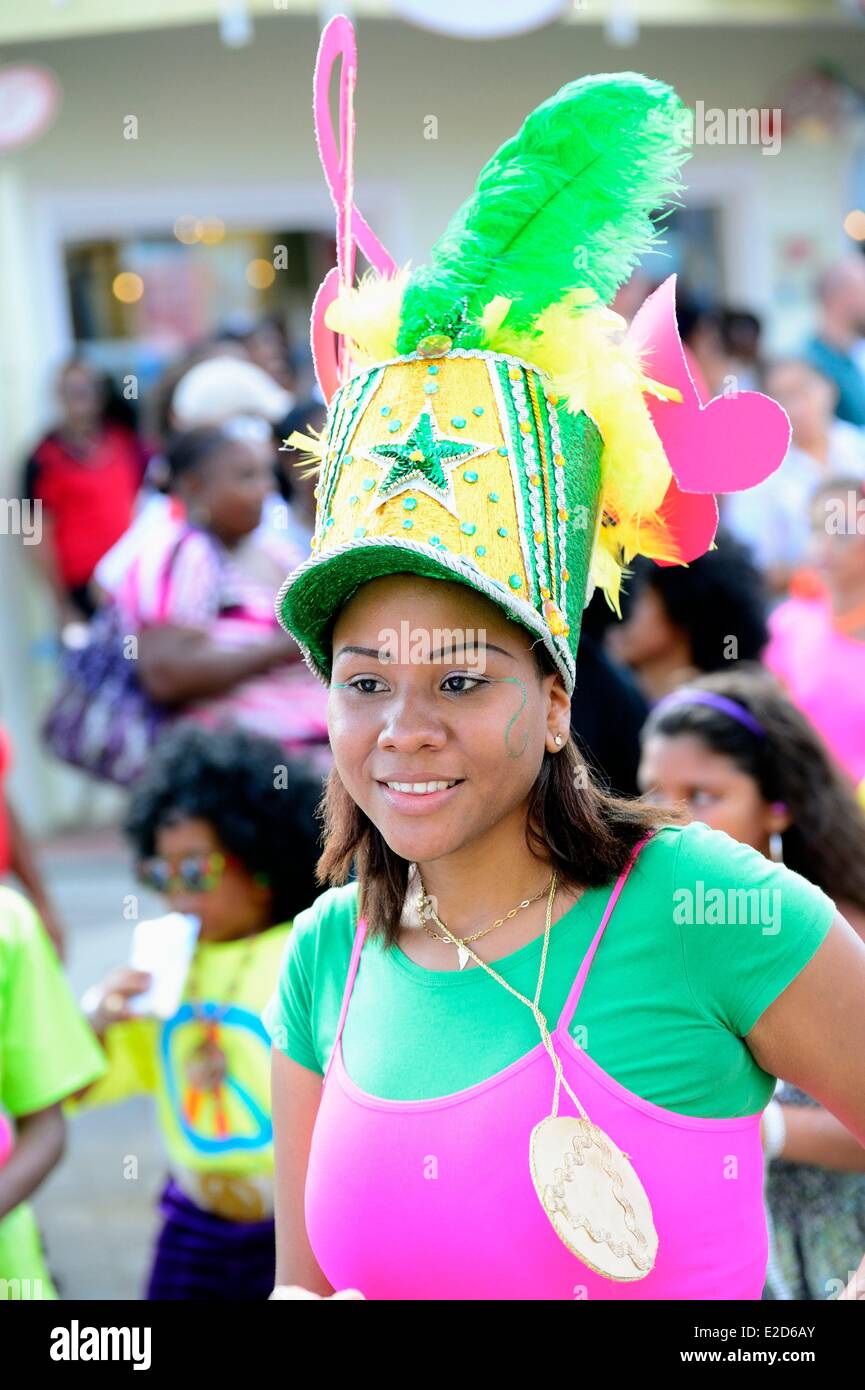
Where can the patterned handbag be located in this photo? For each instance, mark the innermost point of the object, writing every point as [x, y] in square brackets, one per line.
[102, 720]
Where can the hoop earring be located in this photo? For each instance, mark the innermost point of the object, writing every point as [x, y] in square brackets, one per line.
[776, 847]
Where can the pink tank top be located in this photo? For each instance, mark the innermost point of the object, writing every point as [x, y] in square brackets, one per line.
[433, 1199]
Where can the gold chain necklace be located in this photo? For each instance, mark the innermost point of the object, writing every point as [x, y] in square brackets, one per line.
[589, 1189]
[424, 907]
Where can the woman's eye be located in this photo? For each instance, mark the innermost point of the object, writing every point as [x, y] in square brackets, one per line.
[363, 684]
[702, 798]
[460, 689]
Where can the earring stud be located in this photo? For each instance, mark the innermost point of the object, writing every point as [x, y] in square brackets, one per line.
[558, 739]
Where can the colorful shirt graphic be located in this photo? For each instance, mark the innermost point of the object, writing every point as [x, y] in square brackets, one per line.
[208, 1066]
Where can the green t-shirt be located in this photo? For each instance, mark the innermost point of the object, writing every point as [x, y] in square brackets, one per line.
[705, 935]
[229, 1129]
[47, 1051]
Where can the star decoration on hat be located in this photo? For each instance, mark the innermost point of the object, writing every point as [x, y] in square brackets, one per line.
[423, 462]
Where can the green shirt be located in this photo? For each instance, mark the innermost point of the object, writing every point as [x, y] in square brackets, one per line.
[705, 935]
[47, 1051]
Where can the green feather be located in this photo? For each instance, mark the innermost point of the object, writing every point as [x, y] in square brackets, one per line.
[567, 202]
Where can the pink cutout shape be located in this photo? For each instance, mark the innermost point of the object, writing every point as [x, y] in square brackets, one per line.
[331, 361]
[726, 445]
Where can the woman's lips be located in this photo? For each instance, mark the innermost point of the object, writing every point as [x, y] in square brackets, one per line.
[414, 803]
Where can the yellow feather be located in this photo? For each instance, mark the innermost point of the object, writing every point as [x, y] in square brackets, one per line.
[369, 316]
[494, 313]
[314, 446]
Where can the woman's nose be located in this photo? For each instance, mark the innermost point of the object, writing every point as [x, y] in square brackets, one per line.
[411, 723]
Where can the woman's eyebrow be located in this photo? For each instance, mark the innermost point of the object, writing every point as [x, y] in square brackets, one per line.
[375, 654]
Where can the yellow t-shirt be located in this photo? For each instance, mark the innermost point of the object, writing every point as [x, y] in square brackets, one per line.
[223, 1129]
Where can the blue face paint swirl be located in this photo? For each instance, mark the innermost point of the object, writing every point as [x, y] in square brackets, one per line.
[515, 680]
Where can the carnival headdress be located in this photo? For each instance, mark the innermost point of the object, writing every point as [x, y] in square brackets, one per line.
[490, 421]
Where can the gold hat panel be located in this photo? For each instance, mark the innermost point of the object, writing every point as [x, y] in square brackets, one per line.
[422, 451]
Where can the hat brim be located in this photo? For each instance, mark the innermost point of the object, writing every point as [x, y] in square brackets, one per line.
[314, 593]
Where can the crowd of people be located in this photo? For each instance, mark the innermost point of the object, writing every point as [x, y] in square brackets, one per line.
[732, 689]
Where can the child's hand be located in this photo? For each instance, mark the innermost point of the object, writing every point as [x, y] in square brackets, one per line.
[108, 1002]
[294, 1291]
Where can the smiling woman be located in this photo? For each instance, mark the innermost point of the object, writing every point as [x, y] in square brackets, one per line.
[508, 969]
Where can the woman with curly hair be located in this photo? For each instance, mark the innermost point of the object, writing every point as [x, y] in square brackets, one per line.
[225, 829]
[742, 758]
[684, 621]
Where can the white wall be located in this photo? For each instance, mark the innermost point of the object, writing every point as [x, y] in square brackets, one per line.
[229, 132]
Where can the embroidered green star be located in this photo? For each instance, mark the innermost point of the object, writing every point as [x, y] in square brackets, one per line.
[423, 461]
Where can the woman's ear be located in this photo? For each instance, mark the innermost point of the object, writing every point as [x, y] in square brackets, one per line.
[558, 712]
[778, 818]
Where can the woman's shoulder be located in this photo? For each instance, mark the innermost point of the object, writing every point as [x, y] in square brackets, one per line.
[19, 923]
[694, 852]
[795, 615]
[325, 930]
[710, 867]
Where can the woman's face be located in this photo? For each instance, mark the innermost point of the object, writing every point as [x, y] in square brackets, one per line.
[432, 684]
[232, 487]
[82, 396]
[837, 547]
[647, 634]
[682, 770]
[805, 394]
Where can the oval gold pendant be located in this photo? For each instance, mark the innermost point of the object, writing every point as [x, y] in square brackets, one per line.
[594, 1200]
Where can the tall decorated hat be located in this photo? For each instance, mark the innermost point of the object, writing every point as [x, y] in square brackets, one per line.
[490, 420]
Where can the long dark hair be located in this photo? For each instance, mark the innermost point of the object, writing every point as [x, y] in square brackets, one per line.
[572, 824]
[825, 841]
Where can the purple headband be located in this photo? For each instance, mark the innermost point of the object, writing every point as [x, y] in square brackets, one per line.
[690, 696]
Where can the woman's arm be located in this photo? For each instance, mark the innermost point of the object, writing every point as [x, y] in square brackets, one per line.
[39, 1142]
[814, 1136]
[177, 664]
[23, 865]
[813, 1034]
[296, 1094]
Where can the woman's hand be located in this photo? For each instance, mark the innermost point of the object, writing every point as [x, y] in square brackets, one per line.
[108, 1002]
[294, 1291]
